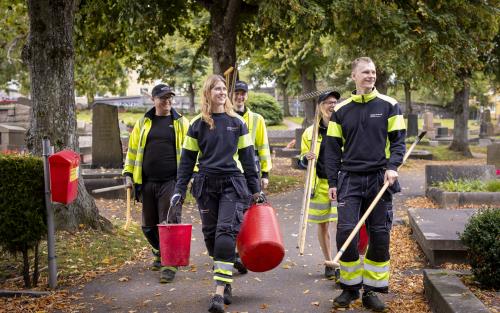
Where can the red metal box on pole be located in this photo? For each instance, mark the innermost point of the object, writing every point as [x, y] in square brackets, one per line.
[64, 176]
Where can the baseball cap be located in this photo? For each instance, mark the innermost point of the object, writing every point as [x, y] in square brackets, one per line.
[161, 90]
[241, 85]
[322, 97]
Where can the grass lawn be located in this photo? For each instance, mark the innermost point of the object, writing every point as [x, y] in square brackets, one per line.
[448, 122]
[441, 153]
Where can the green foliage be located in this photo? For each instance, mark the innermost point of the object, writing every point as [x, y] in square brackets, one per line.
[466, 185]
[266, 106]
[481, 236]
[22, 205]
[424, 141]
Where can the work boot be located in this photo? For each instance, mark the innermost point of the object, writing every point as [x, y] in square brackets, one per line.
[228, 294]
[239, 266]
[345, 298]
[216, 304]
[371, 301]
[337, 275]
[329, 272]
[156, 266]
[166, 275]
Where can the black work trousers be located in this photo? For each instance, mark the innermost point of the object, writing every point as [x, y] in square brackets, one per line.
[355, 193]
[155, 209]
[221, 202]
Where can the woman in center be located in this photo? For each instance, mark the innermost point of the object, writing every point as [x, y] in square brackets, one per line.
[225, 183]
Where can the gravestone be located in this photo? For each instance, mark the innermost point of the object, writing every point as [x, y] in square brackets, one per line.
[493, 155]
[442, 132]
[436, 231]
[429, 125]
[12, 138]
[412, 125]
[486, 129]
[106, 144]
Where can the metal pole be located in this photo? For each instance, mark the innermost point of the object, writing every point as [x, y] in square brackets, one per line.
[50, 216]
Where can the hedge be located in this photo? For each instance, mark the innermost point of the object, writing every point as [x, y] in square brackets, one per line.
[266, 106]
[22, 205]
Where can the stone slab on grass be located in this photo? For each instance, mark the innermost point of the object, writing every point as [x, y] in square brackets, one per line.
[448, 199]
[436, 231]
[447, 294]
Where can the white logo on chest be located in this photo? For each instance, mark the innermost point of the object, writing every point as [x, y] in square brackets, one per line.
[375, 115]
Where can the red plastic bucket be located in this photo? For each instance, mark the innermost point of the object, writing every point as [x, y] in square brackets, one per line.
[259, 242]
[363, 240]
[175, 244]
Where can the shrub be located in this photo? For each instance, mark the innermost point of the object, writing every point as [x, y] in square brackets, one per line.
[22, 207]
[482, 239]
[467, 185]
[266, 106]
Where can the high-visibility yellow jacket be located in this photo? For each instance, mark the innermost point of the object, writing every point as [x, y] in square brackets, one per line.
[305, 147]
[138, 138]
[258, 133]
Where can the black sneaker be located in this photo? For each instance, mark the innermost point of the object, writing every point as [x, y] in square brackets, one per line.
[345, 298]
[166, 275]
[329, 272]
[337, 275]
[228, 294]
[156, 266]
[216, 304]
[239, 266]
[371, 301]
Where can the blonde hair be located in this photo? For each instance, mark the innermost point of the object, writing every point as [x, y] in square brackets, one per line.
[206, 100]
[355, 63]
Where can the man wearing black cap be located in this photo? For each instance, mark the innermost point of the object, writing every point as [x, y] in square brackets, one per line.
[257, 129]
[321, 210]
[153, 155]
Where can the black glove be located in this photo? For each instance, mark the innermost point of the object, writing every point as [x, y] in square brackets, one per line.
[259, 197]
[175, 200]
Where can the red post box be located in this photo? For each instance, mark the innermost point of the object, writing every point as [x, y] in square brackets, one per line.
[64, 176]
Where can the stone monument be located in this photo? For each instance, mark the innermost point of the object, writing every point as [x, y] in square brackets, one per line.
[106, 144]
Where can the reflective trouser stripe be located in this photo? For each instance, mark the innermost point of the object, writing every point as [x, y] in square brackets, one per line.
[351, 273]
[172, 268]
[376, 274]
[223, 271]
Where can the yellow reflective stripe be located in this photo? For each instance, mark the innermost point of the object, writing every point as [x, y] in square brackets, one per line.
[350, 266]
[351, 273]
[225, 272]
[132, 151]
[376, 269]
[244, 141]
[262, 147]
[227, 280]
[264, 157]
[378, 264]
[254, 126]
[396, 122]
[334, 130]
[236, 159]
[129, 162]
[323, 218]
[316, 207]
[191, 144]
[376, 283]
[172, 268]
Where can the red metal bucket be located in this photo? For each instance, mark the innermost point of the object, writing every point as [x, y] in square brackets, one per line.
[260, 244]
[175, 244]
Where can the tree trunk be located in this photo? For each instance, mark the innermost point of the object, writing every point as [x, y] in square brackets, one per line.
[460, 141]
[36, 273]
[407, 87]
[49, 53]
[308, 81]
[26, 267]
[286, 104]
[381, 83]
[222, 43]
[192, 105]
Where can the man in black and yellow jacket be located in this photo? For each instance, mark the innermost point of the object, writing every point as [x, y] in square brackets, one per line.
[154, 152]
[365, 146]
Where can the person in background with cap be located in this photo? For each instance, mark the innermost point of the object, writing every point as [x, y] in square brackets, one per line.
[258, 132]
[321, 210]
[154, 151]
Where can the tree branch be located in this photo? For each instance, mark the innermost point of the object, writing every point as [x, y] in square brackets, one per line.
[12, 45]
